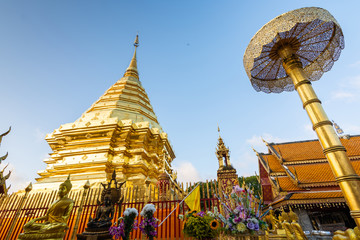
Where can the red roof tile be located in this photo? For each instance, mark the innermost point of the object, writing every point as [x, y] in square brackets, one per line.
[310, 150]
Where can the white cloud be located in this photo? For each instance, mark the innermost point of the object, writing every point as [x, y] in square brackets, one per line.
[310, 133]
[355, 81]
[186, 172]
[257, 142]
[348, 89]
[346, 95]
[355, 64]
[40, 134]
[352, 129]
[246, 164]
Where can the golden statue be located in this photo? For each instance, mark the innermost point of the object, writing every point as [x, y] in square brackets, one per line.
[284, 219]
[274, 222]
[299, 233]
[349, 234]
[55, 218]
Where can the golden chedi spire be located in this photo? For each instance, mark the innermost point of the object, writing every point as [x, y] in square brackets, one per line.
[120, 131]
[132, 69]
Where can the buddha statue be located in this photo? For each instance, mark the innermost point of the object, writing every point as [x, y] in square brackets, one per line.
[299, 233]
[349, 234]
[274, 222]
[104, 214]
[284, 218]
[55, 219]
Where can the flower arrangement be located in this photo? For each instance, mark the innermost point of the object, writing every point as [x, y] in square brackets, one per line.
[149, 224]
[126, 225]
[241, 212]
[201, 225]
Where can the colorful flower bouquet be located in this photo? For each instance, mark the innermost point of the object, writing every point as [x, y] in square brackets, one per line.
[149, 224]
[200, 225]
[125, 224]
[241, 213]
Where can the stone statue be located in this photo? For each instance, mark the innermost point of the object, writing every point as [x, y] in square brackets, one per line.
[98, 227]
[55, 218]
[104, 214]
[299, 233]
[284, 218]
[349, 234]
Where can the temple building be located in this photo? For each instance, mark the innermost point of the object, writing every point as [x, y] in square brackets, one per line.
[120, 131]
[297, 175]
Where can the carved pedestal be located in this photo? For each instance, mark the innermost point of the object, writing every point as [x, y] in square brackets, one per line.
[45, 236]
[95, 234]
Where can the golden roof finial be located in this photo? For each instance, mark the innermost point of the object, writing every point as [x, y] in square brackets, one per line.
[132, 69]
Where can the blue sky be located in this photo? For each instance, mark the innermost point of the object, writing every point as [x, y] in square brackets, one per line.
[58, 57]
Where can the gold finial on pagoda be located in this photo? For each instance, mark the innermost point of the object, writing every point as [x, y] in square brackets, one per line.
[132, 71]
[136, 43]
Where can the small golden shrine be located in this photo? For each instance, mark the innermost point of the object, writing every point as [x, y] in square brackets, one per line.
[120, 132]
[226, 174]
[297, 175]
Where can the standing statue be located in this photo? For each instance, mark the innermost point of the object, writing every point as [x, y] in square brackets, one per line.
[55, 218]
[299, 233]
[272, 221]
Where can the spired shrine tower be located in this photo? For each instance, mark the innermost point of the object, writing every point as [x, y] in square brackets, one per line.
[226, 174]
[118, 132]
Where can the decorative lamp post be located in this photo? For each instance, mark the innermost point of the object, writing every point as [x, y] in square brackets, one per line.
[286, 54]
[76, 226]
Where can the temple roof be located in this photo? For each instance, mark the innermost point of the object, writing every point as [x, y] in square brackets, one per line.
[312, 150]
[300, 170]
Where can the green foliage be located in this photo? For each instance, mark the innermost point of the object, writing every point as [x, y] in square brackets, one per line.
[252, 183]
[199, 227]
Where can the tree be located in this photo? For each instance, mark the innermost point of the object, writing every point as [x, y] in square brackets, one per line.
[252, 183]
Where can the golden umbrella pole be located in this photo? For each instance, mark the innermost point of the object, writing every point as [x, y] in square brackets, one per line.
[286, 54]
[27, 190]
[86, 188]
[334, 151]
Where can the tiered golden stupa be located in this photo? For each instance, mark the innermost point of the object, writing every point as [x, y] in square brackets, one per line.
[119, 132]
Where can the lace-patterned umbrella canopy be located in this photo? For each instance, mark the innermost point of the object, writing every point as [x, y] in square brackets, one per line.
[314, 36]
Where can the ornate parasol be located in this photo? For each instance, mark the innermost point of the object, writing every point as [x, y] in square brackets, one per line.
[286, 54]
[313, 34]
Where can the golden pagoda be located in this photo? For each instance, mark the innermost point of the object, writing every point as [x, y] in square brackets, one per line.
[120, 132]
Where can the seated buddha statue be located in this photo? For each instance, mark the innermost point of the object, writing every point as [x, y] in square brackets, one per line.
[55, 219]
[299, 233]
[104, 214]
